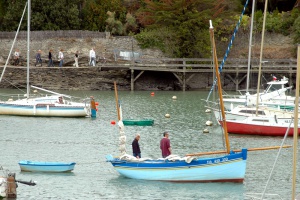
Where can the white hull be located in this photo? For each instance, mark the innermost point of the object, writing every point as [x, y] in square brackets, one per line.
[44, 107]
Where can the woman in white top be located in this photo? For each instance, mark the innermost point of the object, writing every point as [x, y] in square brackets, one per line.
[61, 58]
[92, 58]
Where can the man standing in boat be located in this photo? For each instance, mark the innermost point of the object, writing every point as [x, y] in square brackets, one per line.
[136, 147]
[165, 145]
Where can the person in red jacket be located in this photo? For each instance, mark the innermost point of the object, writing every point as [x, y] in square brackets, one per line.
[165, 145]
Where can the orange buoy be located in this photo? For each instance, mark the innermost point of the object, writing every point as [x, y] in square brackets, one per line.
[97, 103]
[113, 122]
[152, 93]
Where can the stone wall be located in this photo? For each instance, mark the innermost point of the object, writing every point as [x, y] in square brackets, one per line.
[104, 47]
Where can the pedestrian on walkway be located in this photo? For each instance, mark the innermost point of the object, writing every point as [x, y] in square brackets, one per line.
[92, 58]
[76, 59]
[38, 58]
[61, 58]
[50, 62]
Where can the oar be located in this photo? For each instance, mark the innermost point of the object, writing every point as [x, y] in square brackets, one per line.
[238, 150]
[31, 183]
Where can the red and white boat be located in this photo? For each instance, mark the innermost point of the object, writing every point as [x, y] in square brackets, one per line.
[267, 122]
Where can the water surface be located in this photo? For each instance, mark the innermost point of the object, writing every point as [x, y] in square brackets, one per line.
[86, 141]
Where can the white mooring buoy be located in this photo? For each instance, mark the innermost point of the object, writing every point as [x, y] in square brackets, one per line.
[167, 115]
[205, 131]
[208, 111]
[174, 97]
[208, 123]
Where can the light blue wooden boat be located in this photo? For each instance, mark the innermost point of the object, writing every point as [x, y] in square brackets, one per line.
[38, 166]
[228, 168]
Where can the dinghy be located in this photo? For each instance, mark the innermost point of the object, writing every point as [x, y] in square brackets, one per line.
[38, 166]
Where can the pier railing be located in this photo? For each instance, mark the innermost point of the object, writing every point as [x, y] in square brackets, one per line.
[204, 65]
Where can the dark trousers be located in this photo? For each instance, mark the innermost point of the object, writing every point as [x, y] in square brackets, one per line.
[38, 61]
[50, 63]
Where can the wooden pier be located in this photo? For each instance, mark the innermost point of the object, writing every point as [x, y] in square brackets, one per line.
[185, 68]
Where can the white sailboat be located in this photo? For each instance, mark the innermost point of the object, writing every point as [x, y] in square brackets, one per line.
[52, 105]
[259, 120]
[274, 94]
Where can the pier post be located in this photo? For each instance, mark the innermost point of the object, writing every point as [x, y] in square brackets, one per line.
[183, 76]
[132, 79]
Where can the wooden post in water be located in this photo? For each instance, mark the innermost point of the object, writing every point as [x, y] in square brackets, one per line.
[11, 187]
[132, 80]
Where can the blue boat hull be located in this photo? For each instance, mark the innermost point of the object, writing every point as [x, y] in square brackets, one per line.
[229, 168]
[34, 166]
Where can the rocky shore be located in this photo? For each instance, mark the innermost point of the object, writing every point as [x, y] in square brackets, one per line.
[95, 78]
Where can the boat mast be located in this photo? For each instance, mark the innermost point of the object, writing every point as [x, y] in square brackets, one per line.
[295, 145]
[28, 46]
[261, 52]
[250, 46]
[211, 31]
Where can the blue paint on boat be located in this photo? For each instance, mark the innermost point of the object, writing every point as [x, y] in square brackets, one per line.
[228, 168]
[39, 166]
[93, 113]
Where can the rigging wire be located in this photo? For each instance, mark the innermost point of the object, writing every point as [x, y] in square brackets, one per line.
[228, 48]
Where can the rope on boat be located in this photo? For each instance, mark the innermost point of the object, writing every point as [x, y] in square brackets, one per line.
[228, 48]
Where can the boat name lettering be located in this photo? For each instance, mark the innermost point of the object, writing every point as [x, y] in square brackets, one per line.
[217, 160]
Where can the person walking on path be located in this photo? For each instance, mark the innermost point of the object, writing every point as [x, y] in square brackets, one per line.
[165, 145]
[38, 58]
[16, 57]
[61, 58]
[76, 59]
[50, 62]
[92, 57]
[136, 147]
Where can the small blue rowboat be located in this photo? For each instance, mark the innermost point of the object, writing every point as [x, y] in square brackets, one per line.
[37, 166]
[228, 168]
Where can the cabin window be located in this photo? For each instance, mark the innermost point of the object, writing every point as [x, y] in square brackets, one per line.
[260, 120]
[252, 112]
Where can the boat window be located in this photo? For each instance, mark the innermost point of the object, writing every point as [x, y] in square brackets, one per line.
[252, 112]
[260, 120]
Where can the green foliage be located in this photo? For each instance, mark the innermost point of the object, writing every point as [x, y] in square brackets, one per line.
[297, 31]
[277, 22]
[177, 27]
[114, 26]
[95, 13]
[185, 25]
[131, 24]
[45, 15]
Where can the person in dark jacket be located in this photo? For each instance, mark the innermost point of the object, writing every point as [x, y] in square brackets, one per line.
[136, 147]
[50, 62]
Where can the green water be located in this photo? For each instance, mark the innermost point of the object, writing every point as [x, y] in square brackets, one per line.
[86, 141]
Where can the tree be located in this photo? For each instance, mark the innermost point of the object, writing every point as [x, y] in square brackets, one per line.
[185, 23]
[95, 13]
[45, 15]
